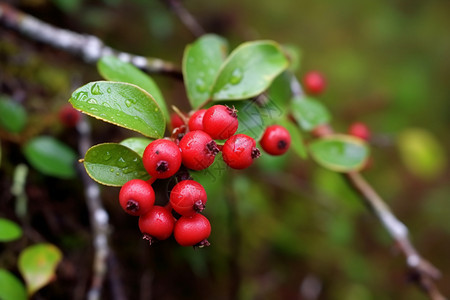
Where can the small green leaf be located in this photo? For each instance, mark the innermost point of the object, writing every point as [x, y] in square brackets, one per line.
[294, 55]
[9, 231]
[277, 99]
[51, 157]
[11, 288]
[37, 264]
[122, 104]
[201, 63]
[340, 153]
[137, 144]
[249, 70]
[114, 164]
[250, 119]
[296, 138]
[422, 153]
[13, 116]
[113, 69]
[309, 113]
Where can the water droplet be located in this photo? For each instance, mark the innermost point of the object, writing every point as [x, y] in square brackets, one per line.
[200, 85]
[128, 103]
[93, 109]
[111, 170]
[109, 90]
[117, 173]
[156, 109]
[121, 163]
[95, 89]
[127, 170]
[106, 104]
[236, 76]
[107, 156]
[81, 96]
[92, 101]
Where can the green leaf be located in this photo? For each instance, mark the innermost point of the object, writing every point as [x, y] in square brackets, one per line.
[50, 156]
[294, 55]
[11, 288]
[122, 104]
[113, 69]
[137, 144]
[13, 116]
[37, 264]
[340, 153]
[296, 138]
[274, 106]
[309, 113]
[250, 119]
[422, 153]
[114, 164]
[9, 231]
[201, 63]
[249, 70]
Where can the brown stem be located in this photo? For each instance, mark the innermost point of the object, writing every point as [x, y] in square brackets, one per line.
[185, 17]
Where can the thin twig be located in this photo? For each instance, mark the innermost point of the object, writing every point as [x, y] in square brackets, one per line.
[99, 218]
[185, 17]
[89, 47]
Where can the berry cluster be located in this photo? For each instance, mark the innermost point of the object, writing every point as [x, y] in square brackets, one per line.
[192, 146]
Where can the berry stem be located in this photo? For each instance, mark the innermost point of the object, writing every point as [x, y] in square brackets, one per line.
[179, 113]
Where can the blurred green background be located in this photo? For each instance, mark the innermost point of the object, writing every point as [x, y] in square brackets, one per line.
[286, 227]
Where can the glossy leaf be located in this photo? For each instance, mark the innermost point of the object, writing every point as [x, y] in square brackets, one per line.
[11, 288]
[51, 157]
[137, 144]
[309, 113]
[9, 231]
[249, 70]
[114, 164]
[37, 264]
[250, 119]
[340, 153]
[122, 104]
[13, 116]
[422, 153]
[277, 98]
[112, 68]
[201, 63]
[297, 144]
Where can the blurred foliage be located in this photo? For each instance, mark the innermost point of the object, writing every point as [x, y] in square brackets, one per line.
[284, 220]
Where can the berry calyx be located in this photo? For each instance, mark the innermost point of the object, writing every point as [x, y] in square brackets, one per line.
[198, 150]
[314, 82]
[136, 197]
[188, 197]
[196, 120]
[239, 151]
[69, 116]
[162, 158]
[192, 231]
[157, 224]
[359, 130]
[276, 140]
[220, 121]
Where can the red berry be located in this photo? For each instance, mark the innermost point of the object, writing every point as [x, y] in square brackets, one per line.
[196, 120]
[314, 82]
[188, 197]
[276, 140]
[322, 130]
[239, 151]
[192, 230]
[162, 158]
[69, 116]
[360, 130]
[136, 197]
[198, 150]
[220, 122]
[176, 121]
[157, 224]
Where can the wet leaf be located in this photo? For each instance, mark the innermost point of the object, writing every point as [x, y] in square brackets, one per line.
[9, 231]
[114, 164]
[249, 70]
[340, 153]
[309, 113]
[201, 63]
[137, 144]
[11, 288]
[122, 104]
